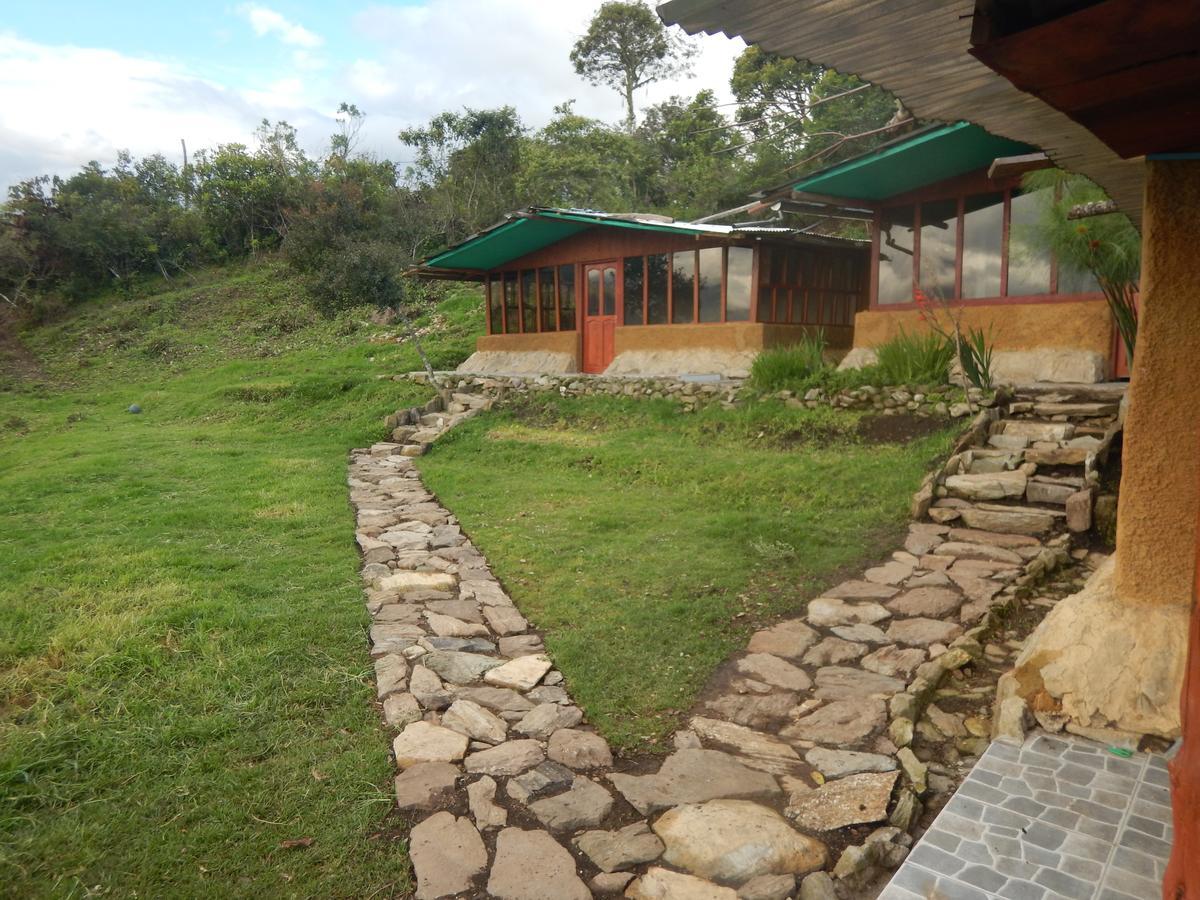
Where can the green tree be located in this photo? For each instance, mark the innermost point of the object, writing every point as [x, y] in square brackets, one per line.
[464, 170]
[689, 144]
[795, 120]
[627, 47]
[580, 162]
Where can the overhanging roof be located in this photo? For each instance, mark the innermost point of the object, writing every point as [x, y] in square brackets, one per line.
[524, 232]
[918, 50]
[915, 160]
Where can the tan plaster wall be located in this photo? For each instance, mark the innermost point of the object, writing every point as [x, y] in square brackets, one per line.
[728, 336]
[1160, 483]
[545, 342]
[1076, 325]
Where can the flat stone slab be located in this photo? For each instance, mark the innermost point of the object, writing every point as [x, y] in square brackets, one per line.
[923, 632]
[732, 841]
[788, 639]
[853, 800]
[663, 884]
[694, 776]
[579, 749]
[988, 486]
[759, 711]
[842, 722]
[520, 674]
[422, 742]
[471, 719]
[860, 634]
[509, 758]
[499, 699]
[833, 650]
[840, 763]
[891, 573]
[612, 851]
[893, 661]
[584, 805]
[845, 683]
[543, 780]
[964, 550]
[447, 855]
[418, 581]
[426, 786]
[774, 671]
[458, 667]
[861, 590]
[758, 750]
[831, 611]
[531, 865]
[546, 718]
[481, 796]
[935, 602]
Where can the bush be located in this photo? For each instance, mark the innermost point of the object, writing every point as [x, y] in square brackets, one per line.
[915, 359]
[789, 367]
[357, 273]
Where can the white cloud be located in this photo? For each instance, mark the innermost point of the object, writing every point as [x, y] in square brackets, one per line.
[63, 105]
[266, 21]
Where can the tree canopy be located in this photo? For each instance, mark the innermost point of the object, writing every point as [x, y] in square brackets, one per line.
[627, 47]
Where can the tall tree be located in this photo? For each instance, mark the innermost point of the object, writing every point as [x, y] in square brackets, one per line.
[627, 47]
[794, 111]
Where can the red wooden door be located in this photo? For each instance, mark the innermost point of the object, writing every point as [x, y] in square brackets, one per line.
[1182, 881]
[601, 301]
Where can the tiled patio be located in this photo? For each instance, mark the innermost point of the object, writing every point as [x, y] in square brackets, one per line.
[1060, 816]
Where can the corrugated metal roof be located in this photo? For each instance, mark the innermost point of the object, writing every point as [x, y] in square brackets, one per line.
[927, 156]
[524, 232]
[917, 49]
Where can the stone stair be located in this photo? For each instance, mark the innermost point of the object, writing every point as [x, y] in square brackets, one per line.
[1030, 466]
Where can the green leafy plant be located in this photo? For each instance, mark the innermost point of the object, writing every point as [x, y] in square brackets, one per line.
[970, 349]
[1107, 246]
[975, 358]
[790, 367]
[915, 358]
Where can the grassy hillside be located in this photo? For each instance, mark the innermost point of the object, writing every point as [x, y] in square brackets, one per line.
[183, 683]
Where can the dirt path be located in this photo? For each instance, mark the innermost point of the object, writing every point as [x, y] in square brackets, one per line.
[16, 361]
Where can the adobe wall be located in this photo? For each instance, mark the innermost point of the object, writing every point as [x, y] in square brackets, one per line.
[1052, 340]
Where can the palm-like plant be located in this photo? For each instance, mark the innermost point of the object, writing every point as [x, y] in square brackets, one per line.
[1107, 246]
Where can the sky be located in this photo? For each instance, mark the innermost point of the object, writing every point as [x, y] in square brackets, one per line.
[81, 80]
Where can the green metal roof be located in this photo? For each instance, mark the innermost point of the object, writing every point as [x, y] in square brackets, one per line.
[526, 232]
[914, 161]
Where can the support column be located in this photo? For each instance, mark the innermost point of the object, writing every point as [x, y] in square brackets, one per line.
[1114, 654]
[1160, 493]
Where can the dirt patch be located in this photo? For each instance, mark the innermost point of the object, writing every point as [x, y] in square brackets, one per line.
[897, 429]
[16, 362]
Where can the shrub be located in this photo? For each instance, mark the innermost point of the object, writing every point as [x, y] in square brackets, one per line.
[789, 367]
[357, 273]
[976, 358]
[915, 359]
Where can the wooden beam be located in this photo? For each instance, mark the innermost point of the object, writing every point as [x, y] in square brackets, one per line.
[1009, 166]
[1095, 208]
[832, 212]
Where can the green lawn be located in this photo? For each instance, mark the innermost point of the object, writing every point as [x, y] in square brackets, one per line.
[184, 682]
[647, 542]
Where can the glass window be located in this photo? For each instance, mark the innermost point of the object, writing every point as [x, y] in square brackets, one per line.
[635, 276]
[656, 289]
[529, 299]
[1076, 281]
[593, 292]
[610, 291]
[739, 270]
[983, 243]
[939, 247]
[896, 256]
[566, 297]
[1028, 258]
[546, 293]
[710, 284]
[495, 291]
[683, 283]
[798, 300]
[766, 312]
[512, 309]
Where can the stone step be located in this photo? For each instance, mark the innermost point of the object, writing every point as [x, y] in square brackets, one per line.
[1047, 392]
[1036, 430]
[1076, 410]
[1007, 519]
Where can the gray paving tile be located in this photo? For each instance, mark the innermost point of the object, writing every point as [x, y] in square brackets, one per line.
[1057, 818]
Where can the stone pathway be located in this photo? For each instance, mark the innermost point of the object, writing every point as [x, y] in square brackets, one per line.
[797, 773]
[1056, 817]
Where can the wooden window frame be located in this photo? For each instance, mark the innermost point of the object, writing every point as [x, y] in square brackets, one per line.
[960, 189]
